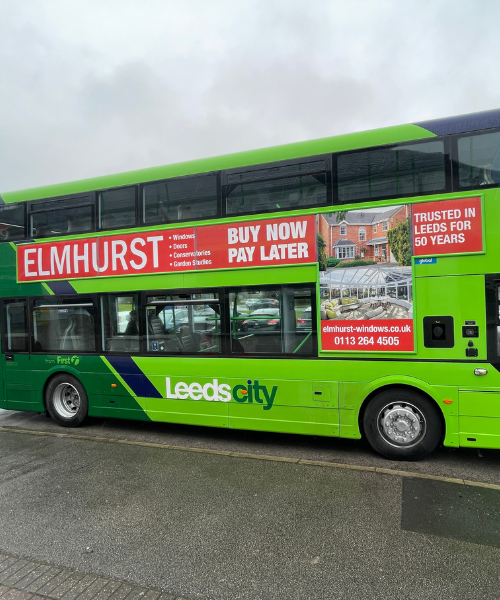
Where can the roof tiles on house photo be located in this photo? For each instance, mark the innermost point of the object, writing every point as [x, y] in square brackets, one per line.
[360, 217]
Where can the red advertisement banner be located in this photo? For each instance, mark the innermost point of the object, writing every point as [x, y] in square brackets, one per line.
[371, 335]
[274, 242]
[447, 227]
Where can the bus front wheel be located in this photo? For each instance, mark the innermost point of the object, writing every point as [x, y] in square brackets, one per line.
[402, 424]
[66, 400]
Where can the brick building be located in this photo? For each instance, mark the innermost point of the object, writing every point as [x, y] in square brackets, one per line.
[361, 233]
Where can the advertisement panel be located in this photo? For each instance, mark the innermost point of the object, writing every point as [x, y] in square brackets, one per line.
[274, 242]
[367, 297]
[447, 227]
[367, 309]
[367, 305]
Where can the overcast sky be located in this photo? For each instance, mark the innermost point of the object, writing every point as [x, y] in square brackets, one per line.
[91, 87]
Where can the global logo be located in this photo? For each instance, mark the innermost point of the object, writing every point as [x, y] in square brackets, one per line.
[426, 261]
[68, 360]
[214, 391]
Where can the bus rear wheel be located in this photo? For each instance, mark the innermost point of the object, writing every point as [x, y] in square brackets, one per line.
[402, 424]
[66, 400]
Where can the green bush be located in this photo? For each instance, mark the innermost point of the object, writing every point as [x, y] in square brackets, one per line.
[355, 263]
[321, 252]
[332, 261]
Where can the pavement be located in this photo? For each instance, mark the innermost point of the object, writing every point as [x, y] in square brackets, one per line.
[22, 579]
[124, 510]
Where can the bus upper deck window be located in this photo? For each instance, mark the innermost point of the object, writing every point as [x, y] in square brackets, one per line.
[117, 208]
[479, 160]
[180, 199]
[60, 217]
[277, 188]
[12, 222]
[401, 170]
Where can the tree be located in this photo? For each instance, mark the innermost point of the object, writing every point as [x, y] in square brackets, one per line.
[400, 242]
[321, 253]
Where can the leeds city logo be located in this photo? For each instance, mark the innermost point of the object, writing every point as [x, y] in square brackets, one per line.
[214, 391]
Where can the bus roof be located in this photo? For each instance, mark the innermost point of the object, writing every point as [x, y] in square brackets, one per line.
[339, 143]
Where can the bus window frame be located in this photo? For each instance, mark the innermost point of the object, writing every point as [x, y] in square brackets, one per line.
[311, 286]
[143, 304]
[89, 199]
[98, 208]
[454, 139]
[24, 206]
[3, 321]
[77, 300]
[226, 186]
[141, 208]
[447, 170]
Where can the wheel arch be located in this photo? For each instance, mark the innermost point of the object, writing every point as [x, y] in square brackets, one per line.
[416, 386]
[53, 373]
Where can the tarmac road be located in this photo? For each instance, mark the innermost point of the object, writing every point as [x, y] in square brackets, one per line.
[224, 526]
[463, 463]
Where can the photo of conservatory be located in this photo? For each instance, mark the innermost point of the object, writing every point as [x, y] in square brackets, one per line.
[366, 293]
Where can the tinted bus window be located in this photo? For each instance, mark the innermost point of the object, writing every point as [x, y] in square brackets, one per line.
[389, 172]
[120, 323]
[184, 199]
[479, 160]
[276, 188]
[117, 208]
[16, 331]
[60, 217]
[187, 324]
[12, 223]
[64, 326]
[275, 321]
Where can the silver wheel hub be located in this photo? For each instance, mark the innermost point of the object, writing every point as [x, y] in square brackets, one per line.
[402, 424]
[66, 400]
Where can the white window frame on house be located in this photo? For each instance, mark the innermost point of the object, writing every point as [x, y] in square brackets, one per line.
[344, 252]
[377, 250]
[343, 230]
[375, 228]
[362, 234]
[384, 225]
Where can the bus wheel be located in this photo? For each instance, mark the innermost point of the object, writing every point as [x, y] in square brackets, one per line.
[66, 400]
[402, 424]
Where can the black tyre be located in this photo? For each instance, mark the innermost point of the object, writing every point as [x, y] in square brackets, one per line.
[402, 424]
[66, 400]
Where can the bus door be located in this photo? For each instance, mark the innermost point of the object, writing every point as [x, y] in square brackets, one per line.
[16, 369]
[479, 404]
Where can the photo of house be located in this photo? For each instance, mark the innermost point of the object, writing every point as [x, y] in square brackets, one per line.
[361, 233]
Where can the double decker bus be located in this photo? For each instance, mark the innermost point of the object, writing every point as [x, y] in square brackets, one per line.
[342, 287]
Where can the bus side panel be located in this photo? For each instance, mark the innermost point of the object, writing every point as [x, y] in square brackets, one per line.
[213, 413]
[285, 406]
[20, 391]
[462, 298]
[263, 394]
[479, 419]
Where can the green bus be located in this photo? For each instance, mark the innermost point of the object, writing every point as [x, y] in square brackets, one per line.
[345, 287]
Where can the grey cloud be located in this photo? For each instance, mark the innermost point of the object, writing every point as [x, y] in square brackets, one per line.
[107, 86]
